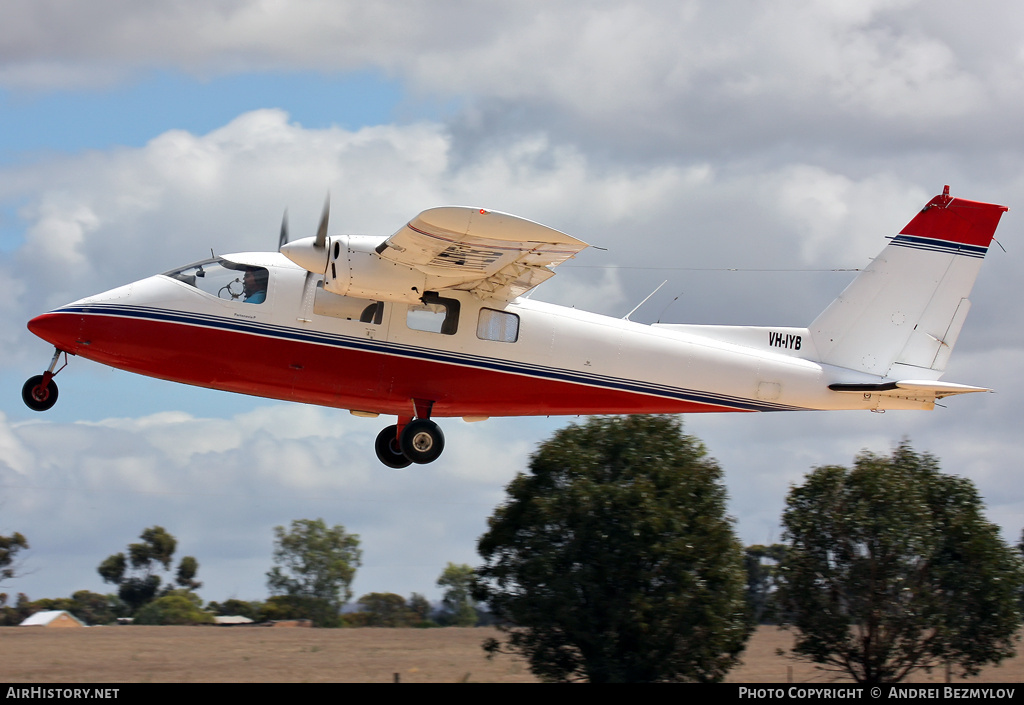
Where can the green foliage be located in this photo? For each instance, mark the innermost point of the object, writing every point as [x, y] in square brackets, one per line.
[93, 608]
[315, 567]
[157, 546]
[762, 564]
[136, 575]
[233, 607]
[459, 605]
[385, 609]
[892, 567]
[9, 548]
[420, 607]
[112, 569]
[185, 577]
[614, 560]
[11, 616]
[178, 607]
[1020, 589]
[280, 607]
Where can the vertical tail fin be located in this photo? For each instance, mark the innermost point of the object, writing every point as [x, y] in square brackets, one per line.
[902, 314]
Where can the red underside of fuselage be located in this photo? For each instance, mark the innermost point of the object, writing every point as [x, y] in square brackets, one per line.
[329, 375]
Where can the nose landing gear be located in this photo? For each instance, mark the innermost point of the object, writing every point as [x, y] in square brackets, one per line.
[40, 392]
[412, 440]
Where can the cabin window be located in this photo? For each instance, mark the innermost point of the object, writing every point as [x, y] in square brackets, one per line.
[226, 280]
[497, 325]
[326, 303]
[434, 315]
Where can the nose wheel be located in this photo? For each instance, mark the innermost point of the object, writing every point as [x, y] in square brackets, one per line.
[40, 392]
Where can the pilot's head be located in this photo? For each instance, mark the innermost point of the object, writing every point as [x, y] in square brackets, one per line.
[255, 279]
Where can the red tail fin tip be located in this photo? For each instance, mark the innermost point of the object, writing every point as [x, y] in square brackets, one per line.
[956, 220]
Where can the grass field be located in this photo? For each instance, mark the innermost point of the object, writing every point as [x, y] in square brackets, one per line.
[259, 654]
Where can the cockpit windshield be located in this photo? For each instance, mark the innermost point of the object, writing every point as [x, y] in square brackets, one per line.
[226, 280]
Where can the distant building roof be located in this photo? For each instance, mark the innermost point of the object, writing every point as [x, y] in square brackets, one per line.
[231, 619]
[53, 618]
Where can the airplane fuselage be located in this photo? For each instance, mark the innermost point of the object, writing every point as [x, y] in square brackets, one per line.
[535, 359]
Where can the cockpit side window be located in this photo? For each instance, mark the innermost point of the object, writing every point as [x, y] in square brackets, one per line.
[226, 280]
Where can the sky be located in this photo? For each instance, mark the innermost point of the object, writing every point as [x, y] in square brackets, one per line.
[742, 151]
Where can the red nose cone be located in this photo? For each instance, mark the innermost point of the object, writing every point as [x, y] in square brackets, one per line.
[61, 329]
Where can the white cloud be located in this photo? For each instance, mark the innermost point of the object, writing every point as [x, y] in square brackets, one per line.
[662, 74]
[107, 481]
[101, 219]
[839, 219]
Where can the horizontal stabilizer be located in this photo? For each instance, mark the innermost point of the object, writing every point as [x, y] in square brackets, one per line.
[918, 389]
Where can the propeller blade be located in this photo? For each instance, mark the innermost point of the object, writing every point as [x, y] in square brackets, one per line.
[310, 253]
[321, 233]
[283, 240]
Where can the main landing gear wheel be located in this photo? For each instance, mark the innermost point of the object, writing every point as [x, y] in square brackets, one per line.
[421, 441]
[38, 396]
[388, 450]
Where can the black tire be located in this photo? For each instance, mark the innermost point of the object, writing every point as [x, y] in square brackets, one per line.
[388, 450]
[421, 441]
[36, 396]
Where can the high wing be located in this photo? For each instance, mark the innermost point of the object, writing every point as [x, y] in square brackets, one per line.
[495, 255]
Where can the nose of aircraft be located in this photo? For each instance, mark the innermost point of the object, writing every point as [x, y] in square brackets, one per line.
[70, 327]
[63, 330]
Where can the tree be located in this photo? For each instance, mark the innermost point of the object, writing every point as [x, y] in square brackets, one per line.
[459, 605]
[420, 607]
[185, 577]
[1020, 588]
[315, 567]
[613, 558]
[234, 607]
[137, 575]
[762, 580]
[9, 548]
[385, 609]
[13, 615]
[179, 607]
[890, 567]
[286, 607]
[93, 608]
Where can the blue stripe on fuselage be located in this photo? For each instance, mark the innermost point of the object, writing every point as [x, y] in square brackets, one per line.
[410, 351]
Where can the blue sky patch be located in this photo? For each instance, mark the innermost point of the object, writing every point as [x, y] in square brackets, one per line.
[133, 114]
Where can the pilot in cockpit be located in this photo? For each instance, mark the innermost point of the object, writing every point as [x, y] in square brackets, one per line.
[254, 285]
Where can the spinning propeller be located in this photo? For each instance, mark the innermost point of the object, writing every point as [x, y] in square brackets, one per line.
[310, 253]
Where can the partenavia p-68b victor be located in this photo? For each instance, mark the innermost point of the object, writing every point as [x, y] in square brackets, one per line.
[431, 322]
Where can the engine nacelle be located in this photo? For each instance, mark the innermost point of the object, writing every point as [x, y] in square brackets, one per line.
[494, 255]
[355, 269]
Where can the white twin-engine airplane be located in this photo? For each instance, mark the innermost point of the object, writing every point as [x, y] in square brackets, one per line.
[430, 322]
